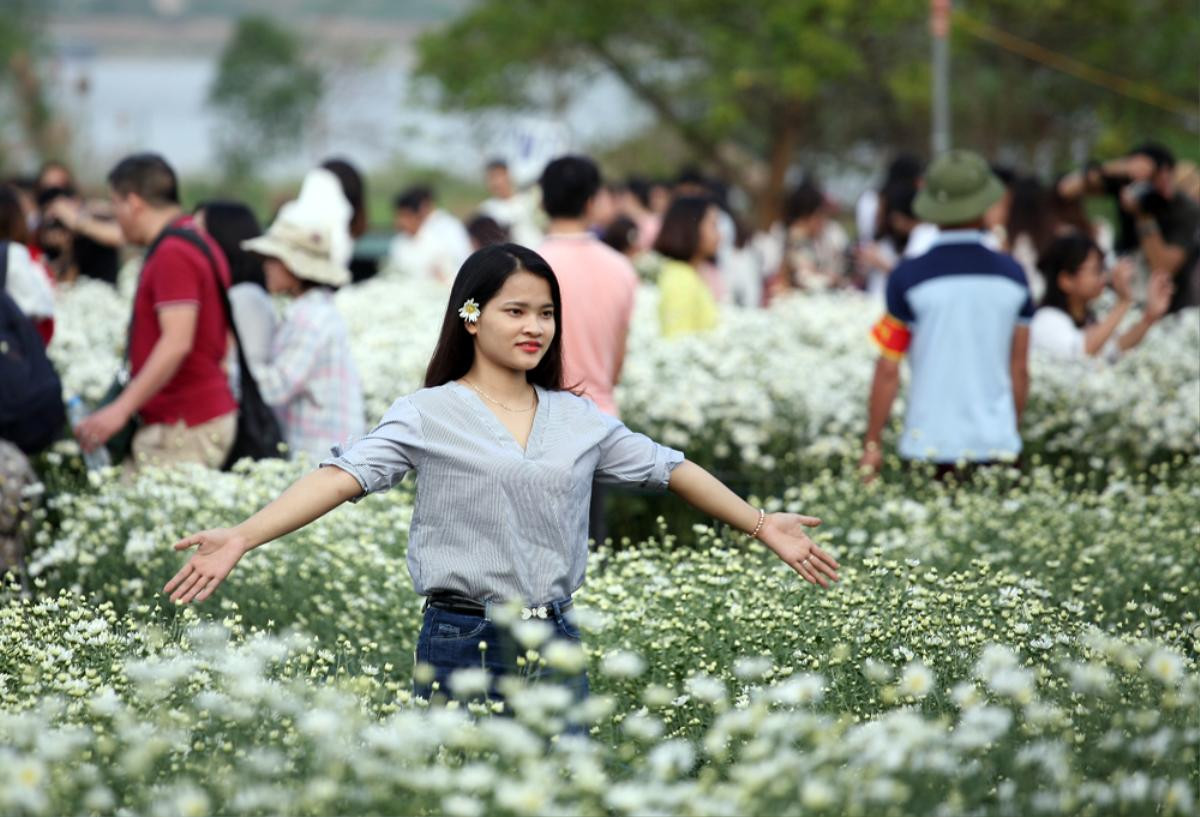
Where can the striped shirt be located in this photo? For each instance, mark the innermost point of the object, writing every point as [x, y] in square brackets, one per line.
[311, 381]
[491, 521]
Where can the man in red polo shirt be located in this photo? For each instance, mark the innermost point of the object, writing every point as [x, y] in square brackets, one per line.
[179, 332]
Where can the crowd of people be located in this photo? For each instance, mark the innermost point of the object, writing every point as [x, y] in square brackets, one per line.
[817, 245]
[516, 434]
[972, 264]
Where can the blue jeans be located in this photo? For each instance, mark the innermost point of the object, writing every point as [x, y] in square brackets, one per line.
[450, 641]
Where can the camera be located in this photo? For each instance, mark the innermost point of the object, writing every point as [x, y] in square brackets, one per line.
[1149, 200]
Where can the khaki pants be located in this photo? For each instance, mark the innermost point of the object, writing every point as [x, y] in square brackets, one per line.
[207, 444]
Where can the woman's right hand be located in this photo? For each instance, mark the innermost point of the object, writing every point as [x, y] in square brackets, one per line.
[217, 551]
[1158, 296]
[784, 533]
[1122, 279]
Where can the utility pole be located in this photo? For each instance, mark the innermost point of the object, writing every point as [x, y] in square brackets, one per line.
[939, 28]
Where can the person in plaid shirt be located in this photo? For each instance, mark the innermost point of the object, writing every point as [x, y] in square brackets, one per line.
[311, 380]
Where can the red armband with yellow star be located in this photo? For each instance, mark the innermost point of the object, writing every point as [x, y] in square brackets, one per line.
[892, 336]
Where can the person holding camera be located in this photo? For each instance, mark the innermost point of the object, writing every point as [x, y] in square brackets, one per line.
[1154, 217]
[77, 237]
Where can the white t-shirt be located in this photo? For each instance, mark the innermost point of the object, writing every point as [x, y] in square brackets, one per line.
[435, 253]
[1053, 333]
[1025, 254]
[866, 211]
[27, 283]
[743, 270]
[255, 319]
[519, 213]
[922, 238]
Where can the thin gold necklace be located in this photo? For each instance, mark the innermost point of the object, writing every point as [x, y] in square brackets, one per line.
[491, 399]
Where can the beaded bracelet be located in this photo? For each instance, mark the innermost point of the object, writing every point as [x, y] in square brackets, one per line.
[762, 515]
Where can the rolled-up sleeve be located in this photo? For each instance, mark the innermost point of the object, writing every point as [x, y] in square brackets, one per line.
[380, 459]
[630, 458]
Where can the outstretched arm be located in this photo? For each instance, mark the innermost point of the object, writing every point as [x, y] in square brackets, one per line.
[783, 533]
[309, 498]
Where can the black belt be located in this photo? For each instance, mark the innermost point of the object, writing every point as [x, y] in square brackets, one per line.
[454, 603]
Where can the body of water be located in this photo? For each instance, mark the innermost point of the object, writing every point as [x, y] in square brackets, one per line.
[371, 114]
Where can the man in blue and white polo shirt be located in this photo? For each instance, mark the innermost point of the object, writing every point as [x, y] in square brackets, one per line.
[961, 313]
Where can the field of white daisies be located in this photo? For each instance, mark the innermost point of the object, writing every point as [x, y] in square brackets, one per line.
[1027, 644]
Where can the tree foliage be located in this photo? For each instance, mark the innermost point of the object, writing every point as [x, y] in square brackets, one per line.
[1007, 99]
[265, 90]
[23, 97]
[750, 87]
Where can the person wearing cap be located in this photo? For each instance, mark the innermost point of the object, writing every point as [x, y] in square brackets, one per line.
[961, 313]
[310, 380]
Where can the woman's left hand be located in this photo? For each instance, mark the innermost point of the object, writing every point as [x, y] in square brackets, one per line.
[784, 533]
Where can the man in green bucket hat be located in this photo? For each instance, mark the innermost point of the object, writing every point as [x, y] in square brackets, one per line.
[960, 313]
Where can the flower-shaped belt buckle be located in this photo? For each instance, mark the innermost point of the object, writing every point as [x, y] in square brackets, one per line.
[532, 612]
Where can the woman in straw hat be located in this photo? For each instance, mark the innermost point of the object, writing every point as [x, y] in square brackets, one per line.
[506, 456]
[310, 379]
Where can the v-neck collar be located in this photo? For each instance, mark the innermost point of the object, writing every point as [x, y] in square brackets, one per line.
[503, 435]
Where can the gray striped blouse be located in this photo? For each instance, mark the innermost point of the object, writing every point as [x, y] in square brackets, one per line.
[494, 522]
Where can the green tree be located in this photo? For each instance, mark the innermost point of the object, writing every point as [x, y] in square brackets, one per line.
[1143, 79]
[22, 92]
[266, 91]
[736, 81]
[751, 87]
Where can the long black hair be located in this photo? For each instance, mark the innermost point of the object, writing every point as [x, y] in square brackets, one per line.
[229, 223]
[1065, 255]
[480, 278]
[1029, 213]
[355, 190]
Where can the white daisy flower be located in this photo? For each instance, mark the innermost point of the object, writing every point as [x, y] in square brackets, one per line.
[469, 311]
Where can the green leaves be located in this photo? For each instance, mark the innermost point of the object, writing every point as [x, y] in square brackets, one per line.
[990, 648]
[266, 89]
[743, 74]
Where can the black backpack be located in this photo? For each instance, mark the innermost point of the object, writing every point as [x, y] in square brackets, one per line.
[258, 433]
[31, 406]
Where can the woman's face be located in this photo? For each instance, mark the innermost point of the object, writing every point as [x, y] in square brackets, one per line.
[710, 234]
[516, 326]
[660, 199]
[54, 176]
[280, 280]
[1089, 282]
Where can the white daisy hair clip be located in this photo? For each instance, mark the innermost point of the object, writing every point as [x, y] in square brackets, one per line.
[469, 311]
